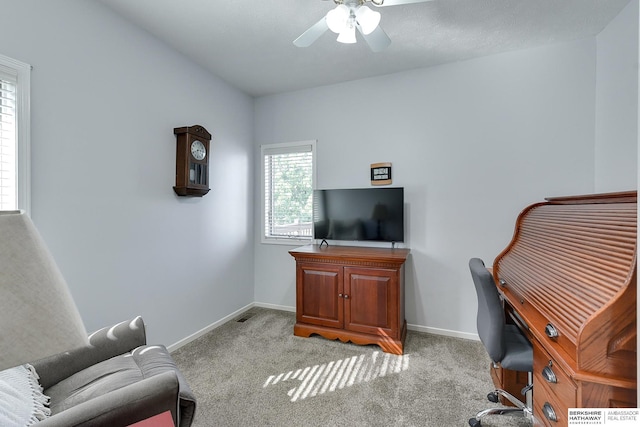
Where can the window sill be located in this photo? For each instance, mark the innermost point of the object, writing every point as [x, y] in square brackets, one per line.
[285, 241]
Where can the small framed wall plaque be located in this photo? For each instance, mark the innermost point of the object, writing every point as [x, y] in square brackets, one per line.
[380, 173]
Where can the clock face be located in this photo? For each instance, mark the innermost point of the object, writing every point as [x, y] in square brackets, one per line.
[198, 151]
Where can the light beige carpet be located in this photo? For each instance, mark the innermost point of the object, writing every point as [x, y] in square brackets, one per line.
[257, 373]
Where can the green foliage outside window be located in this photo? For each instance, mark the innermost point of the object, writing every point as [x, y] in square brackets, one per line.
[292, 196]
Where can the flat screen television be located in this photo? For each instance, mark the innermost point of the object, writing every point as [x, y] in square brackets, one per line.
[359, 214]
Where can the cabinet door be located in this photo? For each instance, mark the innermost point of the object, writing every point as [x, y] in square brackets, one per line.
[317, 295]
[371, 301]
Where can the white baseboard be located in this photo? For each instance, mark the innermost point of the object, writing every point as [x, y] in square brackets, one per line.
[211, 327]
[445, 332]
[417, 328]
[411, 327]
[275, 307]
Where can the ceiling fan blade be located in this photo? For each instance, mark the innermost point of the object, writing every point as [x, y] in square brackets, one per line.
[377, 40]
[399, 2]
[312, 34]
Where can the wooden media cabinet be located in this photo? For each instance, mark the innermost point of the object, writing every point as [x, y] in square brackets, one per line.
[352, 294]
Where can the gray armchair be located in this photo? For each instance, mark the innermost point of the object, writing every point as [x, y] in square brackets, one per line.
[116, 380]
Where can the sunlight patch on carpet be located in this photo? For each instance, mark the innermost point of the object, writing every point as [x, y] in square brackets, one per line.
[338, 374]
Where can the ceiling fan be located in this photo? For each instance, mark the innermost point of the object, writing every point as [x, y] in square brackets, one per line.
[348, 16]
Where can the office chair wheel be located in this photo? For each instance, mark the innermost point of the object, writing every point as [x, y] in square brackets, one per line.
[493, 397]
[474, 422]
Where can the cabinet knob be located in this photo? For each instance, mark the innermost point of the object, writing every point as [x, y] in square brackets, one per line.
[346, 296]
[503, 282]
[340, 295]
[549, 412]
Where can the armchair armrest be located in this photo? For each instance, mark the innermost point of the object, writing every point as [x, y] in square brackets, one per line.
[124, 406]
[103, 344]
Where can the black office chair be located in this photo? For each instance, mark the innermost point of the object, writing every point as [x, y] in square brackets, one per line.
[506, 345]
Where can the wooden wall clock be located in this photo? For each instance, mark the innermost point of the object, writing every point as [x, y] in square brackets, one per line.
[192, 161]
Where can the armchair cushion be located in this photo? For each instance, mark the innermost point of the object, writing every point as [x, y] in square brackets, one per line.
[103, 345]
[115, 362]
[123, 407]
[116, 373]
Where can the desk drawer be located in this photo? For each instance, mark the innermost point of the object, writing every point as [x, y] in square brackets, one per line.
[553, 390]
[543, 405]
[547, 373]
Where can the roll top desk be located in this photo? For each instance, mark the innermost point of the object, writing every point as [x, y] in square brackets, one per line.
[568, 278]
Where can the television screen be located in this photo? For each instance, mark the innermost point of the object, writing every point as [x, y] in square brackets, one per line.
[371, 214]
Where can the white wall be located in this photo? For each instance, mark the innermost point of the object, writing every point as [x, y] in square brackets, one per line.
[617, 103]
[472, 142]
[105, 99]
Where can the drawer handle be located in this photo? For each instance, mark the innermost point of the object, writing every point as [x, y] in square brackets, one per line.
[551, 331]
[549, 375]
[549, 412]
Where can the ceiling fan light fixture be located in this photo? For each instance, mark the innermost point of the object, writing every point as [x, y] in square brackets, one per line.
[367, 19]
[349, 16]
[348, 35]
[338, 18]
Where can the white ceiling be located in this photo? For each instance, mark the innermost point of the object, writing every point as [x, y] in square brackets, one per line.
[248, 43]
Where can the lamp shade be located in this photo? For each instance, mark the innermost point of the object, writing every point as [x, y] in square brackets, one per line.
[367, 19]
[348, 35]
[337, 18]
[38, 316]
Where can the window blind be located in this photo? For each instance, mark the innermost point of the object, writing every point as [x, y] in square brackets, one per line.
[8, 181]
[288, 191]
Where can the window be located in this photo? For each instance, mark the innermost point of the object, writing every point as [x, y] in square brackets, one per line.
[14, 134]
[288, 179]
